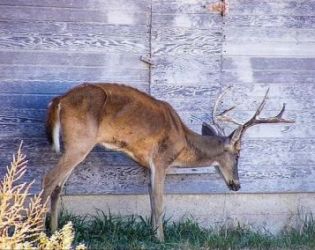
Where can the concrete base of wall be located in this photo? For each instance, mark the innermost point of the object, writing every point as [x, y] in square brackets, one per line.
[272, 212]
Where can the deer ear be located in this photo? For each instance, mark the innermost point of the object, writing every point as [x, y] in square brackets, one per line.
[234, 139]
[208, 130]
[231, 135]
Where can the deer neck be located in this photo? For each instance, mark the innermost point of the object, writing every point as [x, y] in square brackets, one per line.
[200, 150]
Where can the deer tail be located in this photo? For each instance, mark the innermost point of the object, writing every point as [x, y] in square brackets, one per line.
[53, 124]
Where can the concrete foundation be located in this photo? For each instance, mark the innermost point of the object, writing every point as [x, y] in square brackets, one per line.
[272, 212]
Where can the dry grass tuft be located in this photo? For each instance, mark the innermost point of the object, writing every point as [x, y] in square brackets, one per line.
[21, 219]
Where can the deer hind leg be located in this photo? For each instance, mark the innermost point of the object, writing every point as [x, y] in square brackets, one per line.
[156, 192]
[56, 178]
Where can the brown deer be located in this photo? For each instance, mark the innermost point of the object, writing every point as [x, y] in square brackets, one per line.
[148, 130]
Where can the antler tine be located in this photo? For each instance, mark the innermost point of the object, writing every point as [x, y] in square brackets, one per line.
[281, 112]
[253, 120]
[279, 116]
[222, 116]
[216, 104]
[262, 105]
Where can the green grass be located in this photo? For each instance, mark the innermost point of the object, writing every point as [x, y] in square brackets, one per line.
[105, 231]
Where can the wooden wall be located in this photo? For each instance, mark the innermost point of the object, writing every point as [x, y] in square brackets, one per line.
[46, 47]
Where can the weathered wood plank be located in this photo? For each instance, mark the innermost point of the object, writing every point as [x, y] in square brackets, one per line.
[268, 63]
[18, 131]
[239, 7]
[297, 98]
[102, 15]
[289, 8]
[182, 6]
[139, 5]
[73, 59]
[268, 76]
[270, 49]
[71, 42]
[170, 77]
[76, 28]
[183, 41]
[239, 90]
[22, 116]
[268, 34]
[168, 91]
[179, 70]
[305, 22]
[195, 21]
[274, 104]
[55, 73]
[25, 101]
[50, 87]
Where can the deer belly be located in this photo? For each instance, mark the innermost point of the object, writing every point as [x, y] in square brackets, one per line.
[122, 149]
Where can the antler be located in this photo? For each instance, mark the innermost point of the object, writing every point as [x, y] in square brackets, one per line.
[222, 116]
[237, 134]
[255, 120]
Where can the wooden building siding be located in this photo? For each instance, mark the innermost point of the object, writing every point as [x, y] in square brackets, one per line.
[47, 46]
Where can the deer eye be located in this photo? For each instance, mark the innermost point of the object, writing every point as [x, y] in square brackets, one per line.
[237, 156]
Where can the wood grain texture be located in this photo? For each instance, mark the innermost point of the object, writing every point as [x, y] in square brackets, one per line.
[271, 76]
[50, 87]
[22, 116]
[288, 8]
[269, 63]
[181, 41]
[299, 99]
[82, 4]
[180, 71]
[70, 42]
[100, 15]
[268, 34]
[75, 28]
[266, 21]
[198, 21]
[68, 59]
[56, 73]
[290, 49]
[179, 6]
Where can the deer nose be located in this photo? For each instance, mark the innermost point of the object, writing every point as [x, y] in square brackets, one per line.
[234, 185]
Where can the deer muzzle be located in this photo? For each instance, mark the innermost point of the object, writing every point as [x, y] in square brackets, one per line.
[234, 185]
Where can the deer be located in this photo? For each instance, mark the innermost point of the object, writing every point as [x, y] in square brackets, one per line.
[146, 129]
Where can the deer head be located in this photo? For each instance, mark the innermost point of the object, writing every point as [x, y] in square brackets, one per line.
[227, 164]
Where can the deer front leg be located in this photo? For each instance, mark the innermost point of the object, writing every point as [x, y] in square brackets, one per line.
[156, 191]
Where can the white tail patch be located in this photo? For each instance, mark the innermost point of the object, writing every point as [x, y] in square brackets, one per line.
[56, 132]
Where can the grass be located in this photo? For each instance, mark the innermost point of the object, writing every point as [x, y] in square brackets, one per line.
[105, 231]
